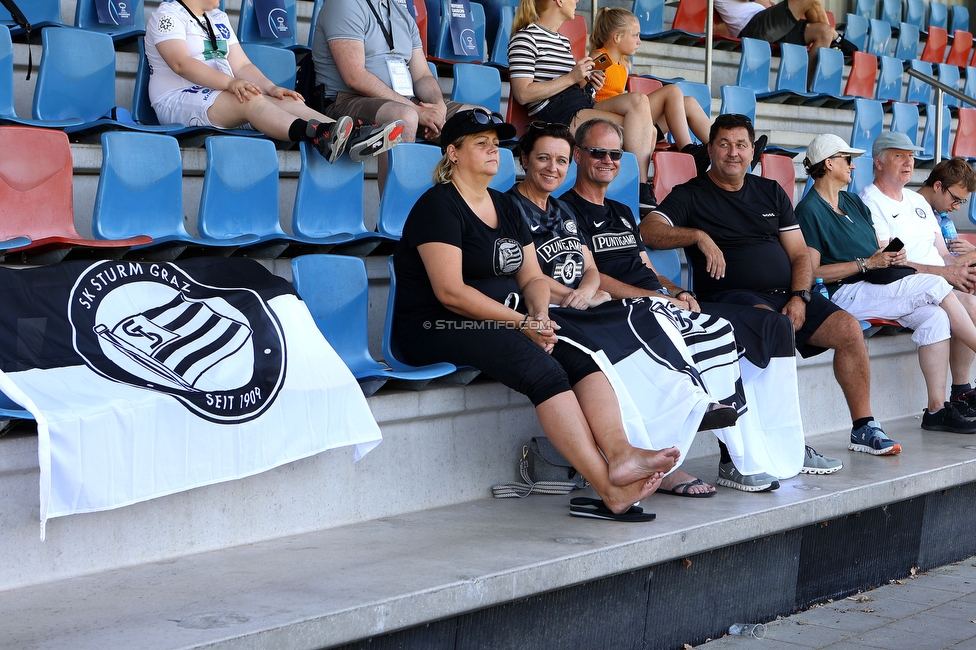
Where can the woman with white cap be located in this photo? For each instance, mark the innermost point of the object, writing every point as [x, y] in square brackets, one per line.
[871, 282]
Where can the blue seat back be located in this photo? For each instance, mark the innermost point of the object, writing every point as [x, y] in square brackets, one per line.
[329, 197]
[505, 178]
[391, 351]
[477, 84]
[890, 79]
[828, 75]
[938, 15]
[969, 88]
[866, 8]
[38, 12]
[493, 10]
[891, 12]
[857, 30]
[69, 85]
[792, 74]
[918, 91]
[736, 99]
[879, 39]
[316, 8]
[6, 75]
[863, 173]
[906, 48]
[949, 75]
[411, 169]
[277, 64]
[249, 32]
[928, 133]
[336, 291]
[650, 13]
[445, 50]
[86, 17]
[140, 187]
[240, 189]
[915, 14]
[868, 123]
[142, 110]
[904, 119]
[499, 48]
[568, 182]
[433, 24]
[700, 92]
[960, 19]
[754, 65]
[625, 188]
[667, 263]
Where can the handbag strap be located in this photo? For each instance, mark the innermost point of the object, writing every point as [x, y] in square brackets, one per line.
[518, 490]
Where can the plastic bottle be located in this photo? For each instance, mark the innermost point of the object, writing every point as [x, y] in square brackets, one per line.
[818, 287]
[948, 228]
[757, 630]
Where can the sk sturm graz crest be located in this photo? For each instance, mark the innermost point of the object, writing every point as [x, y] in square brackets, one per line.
[220, 351]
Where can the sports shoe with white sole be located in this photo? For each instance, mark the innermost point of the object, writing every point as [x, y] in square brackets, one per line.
[368, 140]
[871, 439]
[730, 477]
[816, 463]
[330, 138]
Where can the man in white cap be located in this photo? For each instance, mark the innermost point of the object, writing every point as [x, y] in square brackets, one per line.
[870, 282]
[910, 216]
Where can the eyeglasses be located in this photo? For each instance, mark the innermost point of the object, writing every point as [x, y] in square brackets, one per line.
[482, 116]
[955, 199]
[846, 157]
[600, 154]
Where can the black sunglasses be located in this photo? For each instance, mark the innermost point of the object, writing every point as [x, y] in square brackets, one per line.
[600, 154]
[482, 116]
[846, 157]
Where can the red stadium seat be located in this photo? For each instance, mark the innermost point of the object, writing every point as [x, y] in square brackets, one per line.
[962, 45]
[864, 72]
[671, 168]
[690, 16]
[780, 169]
[965, 143]
[643, 85]
[575, 31]
[935, 46]
[517, 116]
[420, 10]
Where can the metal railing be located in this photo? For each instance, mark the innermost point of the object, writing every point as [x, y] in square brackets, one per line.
[940, 91]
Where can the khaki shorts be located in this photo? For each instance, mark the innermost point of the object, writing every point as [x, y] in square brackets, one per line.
[366, 108]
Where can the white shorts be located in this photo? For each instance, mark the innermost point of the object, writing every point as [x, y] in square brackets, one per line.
[187, 106]
[913, 301]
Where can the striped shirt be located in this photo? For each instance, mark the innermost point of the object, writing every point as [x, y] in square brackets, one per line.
[538, 54]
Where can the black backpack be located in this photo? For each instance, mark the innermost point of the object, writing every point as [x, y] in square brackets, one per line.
[305, 84]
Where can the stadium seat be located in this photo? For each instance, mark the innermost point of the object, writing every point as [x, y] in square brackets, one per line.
[828, 76]
[650, 13]
[317, 7]
[575, 31]
[863, 173]
[568, 182]
[277, 64]
[86, 17]
[517, 116]
[142, 110]
[960, 50]
[36, 196]
[866, 8]
[972, 209]
[40, 14]
[249, 32]
[938, 16]
[868, 123]
[8, 114]
[477, 84]
[969, 87]
[666, 263]
[70, 86]
[891, 13]
[643, 85]
[625, 188]
[499, 51]
[335, 289]
[935, 45]
[10, 410]
[879, 38]
[949, 75]
[915, 14]
[687, 27]
[781, 170]
[700, 92]
[928, 133]
[890, 79]
[444, 48]
[906, 47]
[918, 91]
[433, 9]
[904, 119]
[864, 71]
[791, 78]
[410, 175]
[754, 66]
[493, 10]
[964, 144]
[857, 30]
[736, 99]
[329, 203]
[671, 168]
[505, 178]
[391, 351]
[960, 19]
[140, 192]
[690, 17]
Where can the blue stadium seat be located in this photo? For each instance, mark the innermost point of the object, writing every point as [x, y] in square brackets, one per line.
[891, 13]
[700, 92]
[443, 48]
[86, 17]
[568, 182]
[791, 78]
[928, 134]
[949, 75]
[736, 99]
[960, 19]
[40, 13]
[906, 47]
[625, 188]
[915, 14]
[863, 173]
[938, 15]
[666, 263]
[10, 410]
[140, 192]
[480, 85]
[890, 79]
[857, 30]
[866, 8]
[868, 123]
[249, 32]
[650, 13]
[277, 64]
[142, 110]
[411, 167]
[499, 49]
[329, 203]
[493, 11]
[828, 76]
[879, 38]
[8, 114]
[391, 351]
[969, 88]
[904, 119]
[505, 178]
[918, 91]
[754, 66]
[70, 86]
[316, 8]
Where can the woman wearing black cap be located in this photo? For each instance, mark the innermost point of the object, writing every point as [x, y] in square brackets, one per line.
[472, 293]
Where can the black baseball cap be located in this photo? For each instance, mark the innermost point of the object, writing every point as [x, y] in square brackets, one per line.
[476, 120]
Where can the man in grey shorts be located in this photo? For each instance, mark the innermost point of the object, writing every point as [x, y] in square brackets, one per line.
[369, 57]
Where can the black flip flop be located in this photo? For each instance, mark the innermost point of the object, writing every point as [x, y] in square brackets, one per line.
[687, 484]
[596, 509]
[718, 418]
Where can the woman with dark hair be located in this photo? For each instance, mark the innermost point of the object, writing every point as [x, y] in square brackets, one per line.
[470, 292]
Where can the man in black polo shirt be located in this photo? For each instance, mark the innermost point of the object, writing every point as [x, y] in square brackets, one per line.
[745, 247]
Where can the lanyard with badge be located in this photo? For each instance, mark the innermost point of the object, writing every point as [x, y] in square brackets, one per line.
[400, 79]
[213, 48]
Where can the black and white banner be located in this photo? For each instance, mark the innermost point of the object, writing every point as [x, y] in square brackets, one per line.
[151, 378]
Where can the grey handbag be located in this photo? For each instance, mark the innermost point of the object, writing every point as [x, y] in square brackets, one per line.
[544, 471]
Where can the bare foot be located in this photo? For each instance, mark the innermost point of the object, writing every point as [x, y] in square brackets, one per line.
[679, 476]
[639, 464]
[619, 499]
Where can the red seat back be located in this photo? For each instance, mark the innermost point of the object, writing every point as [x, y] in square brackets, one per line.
[671, 168]
[780, 169]
[420, 10]
[965, 143]
[575, 31]
[935, 46]
[517, 116]
[962, 44]
[643, 85]
[690, 16]
[864, 71]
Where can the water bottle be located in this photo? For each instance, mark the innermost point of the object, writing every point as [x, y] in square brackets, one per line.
[948, 228]
[818, 287]
[757, 630]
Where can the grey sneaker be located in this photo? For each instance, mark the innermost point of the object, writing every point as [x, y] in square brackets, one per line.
[729, 476]
[871, 439]
[814, 463]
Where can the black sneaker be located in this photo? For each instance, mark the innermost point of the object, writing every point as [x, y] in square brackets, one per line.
[368, 140]
[760, 146]
[700, 153]
[647, 200]
[330, 139]
[947, 419]
[965, 403]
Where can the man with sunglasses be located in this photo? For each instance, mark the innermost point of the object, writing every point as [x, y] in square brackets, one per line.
[913, 218]
[745, 247]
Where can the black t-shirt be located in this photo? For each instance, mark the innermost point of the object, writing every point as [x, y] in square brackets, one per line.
[490, 257]
[557, 242]
[610, 231]
[745, 224]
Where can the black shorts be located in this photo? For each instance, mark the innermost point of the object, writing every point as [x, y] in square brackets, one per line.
[563, 107]
[776, 25]
[818, 310]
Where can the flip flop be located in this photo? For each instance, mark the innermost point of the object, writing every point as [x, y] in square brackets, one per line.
[596, 509]
[685, 493]
[719, 417]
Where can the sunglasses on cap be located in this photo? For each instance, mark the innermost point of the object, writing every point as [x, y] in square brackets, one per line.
[599, 154]
[482, 116]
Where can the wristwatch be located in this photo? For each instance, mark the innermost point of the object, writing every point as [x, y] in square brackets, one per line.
[804, 295]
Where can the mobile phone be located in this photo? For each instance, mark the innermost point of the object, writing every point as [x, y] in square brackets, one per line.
[894, 246]
[602, 62]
